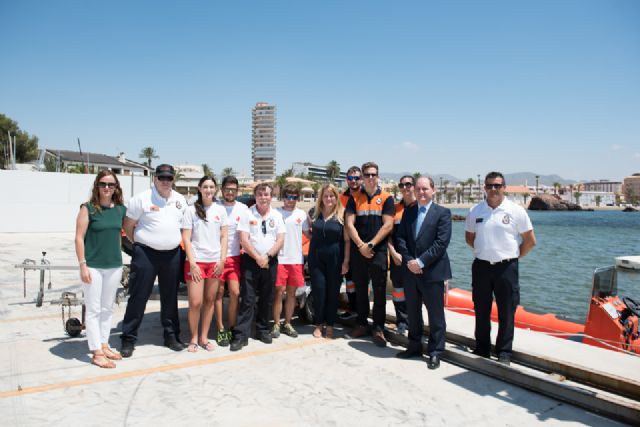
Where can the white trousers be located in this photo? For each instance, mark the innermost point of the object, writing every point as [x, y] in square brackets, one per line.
[99, 297]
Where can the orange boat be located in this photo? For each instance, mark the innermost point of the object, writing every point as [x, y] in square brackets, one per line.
[612, 321]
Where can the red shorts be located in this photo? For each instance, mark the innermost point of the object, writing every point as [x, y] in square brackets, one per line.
[290, 275]
[206, 270]
[231, 269]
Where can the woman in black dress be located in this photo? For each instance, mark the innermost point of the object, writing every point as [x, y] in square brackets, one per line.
[328, 258]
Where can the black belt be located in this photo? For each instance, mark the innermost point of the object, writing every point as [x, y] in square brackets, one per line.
[504, 261]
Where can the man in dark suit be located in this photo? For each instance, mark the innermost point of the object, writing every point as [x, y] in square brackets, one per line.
[423, 237]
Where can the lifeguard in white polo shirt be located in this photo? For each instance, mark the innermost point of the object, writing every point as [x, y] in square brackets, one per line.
[500, 232]
[262, 235]
[290, 261]
[153, 223]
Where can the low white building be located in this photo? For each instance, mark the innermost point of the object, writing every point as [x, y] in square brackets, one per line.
[588, 198]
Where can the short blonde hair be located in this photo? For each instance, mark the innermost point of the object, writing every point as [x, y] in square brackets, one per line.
[338, 210]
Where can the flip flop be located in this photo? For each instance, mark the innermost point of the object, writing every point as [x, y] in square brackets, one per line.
[192, 348]
[209, 346]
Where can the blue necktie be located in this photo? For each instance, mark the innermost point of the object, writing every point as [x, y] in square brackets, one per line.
[422, 212]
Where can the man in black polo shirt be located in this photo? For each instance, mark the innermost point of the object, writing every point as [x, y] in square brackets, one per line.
[369, 220]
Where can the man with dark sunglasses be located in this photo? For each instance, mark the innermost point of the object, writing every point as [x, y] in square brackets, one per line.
[153, 222]
[405, 185]
[369, 221]
[290, 261]
[354, 183]
[262, 234]
[500, 232]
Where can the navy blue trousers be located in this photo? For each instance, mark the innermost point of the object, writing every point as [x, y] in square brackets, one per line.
[146, 264]
[431, 294]
[500, 280]
[256, 288]
[324, 270]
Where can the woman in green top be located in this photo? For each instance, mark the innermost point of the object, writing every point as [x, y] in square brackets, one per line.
[98, 249]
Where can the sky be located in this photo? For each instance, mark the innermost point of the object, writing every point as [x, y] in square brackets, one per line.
[457, 87]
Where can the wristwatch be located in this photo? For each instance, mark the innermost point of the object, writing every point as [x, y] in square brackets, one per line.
[370, 245]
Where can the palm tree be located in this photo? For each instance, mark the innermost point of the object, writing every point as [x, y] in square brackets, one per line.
[445, 183]
[148, 153]
[280, 182]
[469, 182]
[333, 170]
[227, 171]
[416, 175]
[459, 194]
[598, 200]
[207, 170]
[556, 187]
[577, 195]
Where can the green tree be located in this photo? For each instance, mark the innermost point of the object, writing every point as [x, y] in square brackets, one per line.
[206, 169]
[287, 173]
[577, 195]
[26, 148]
[416, 175]
[148, 153]
[227, 171]
[316, 187]
[469, 182]
[556, 187]
[394, 190]
[459, 194]
[280, 182]
[598, 200]
[333, 170]
[525, 196]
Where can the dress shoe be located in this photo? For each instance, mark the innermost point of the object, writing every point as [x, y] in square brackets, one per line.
[433, 362]
[238, 343]
[408, 354]
[358, 332]
[481, 353]
[379, 339]
[265, 337]
[174, 344]
[127, 349]
[504, 358]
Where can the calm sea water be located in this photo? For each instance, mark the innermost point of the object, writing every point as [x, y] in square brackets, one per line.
[556, 276]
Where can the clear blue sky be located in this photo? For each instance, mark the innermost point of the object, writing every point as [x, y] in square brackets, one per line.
[458, 87]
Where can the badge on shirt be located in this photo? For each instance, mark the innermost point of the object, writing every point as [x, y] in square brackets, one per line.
[479, 220]
[378, 201]
[253, 222]
[506, 219]
[298, 220]
[272, 223]
[178, 205]
[155, 208]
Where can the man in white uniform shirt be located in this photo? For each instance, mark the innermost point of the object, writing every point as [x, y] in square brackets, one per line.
[152, 223]
[290, 261]
[262, 233]
[500, 232]
[231, 274]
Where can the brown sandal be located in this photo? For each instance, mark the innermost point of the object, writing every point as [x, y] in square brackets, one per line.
[329, 333]
[101, 361]
[111, 354]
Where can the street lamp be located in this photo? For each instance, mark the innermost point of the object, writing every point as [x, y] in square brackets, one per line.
[537, 178]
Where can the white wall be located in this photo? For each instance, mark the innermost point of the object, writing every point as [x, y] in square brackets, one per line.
[45, 202]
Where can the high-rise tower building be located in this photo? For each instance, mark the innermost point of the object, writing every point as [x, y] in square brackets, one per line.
[263, 141]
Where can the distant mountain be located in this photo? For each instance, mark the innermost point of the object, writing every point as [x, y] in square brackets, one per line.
[529, 178]
[518, 178]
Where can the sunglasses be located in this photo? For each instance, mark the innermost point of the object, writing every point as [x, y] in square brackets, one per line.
[405, 185]
[264, 227]
[291, 197]
[493, 186]
[229, 190]
[353, 178]
[165, 178]
[107, 184]
[370, 175]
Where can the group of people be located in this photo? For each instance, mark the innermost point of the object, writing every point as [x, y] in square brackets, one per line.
[360, 235]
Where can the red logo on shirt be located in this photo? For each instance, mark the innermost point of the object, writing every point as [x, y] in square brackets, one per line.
[253, 222]
[298, 220]
[238, 219]
[217, 218]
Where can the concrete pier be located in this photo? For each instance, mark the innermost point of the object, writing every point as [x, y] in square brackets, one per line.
[47, 379]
